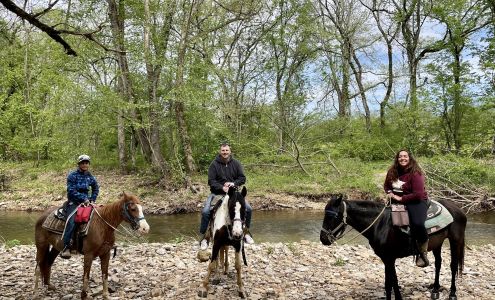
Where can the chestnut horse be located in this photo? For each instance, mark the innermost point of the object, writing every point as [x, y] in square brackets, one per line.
[98, 242]
[390, 243]
[227, 230]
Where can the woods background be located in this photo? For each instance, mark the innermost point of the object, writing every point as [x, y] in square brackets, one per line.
[319, 92]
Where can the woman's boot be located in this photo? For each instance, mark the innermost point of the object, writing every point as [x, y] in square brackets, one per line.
[422, 259]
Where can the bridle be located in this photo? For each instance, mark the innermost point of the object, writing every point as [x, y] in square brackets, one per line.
[134, 221]
[338, 231]
[331, 234]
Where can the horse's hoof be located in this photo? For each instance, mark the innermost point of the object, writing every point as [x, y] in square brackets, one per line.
[452, 297]
[51, 287]
[215, 281]
[243, 295]
[202, 294]
[435, 295]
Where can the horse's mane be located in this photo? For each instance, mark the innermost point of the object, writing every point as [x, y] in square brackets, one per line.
[365, 204]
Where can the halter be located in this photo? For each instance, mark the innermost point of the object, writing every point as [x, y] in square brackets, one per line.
[134, 221]
[331, 234]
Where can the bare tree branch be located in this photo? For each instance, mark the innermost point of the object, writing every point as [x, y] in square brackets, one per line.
[52, 32]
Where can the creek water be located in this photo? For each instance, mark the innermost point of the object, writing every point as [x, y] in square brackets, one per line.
[267, 226]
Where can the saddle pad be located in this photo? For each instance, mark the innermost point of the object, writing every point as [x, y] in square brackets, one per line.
[439, 221]
[434, 209]
[55, 225]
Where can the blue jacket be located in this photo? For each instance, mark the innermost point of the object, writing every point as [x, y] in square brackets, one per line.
[78, 187]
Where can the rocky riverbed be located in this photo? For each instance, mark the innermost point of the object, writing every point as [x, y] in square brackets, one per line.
[302, 270]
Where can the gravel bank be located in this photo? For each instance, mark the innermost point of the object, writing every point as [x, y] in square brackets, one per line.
[302, 270]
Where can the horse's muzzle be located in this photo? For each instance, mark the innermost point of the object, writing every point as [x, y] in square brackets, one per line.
[143, 227]
[324, 238]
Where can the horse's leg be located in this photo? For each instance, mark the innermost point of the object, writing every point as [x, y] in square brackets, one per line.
[391, 280]
[226, 260]
[50, 259]
[203, 293]
[212, 266]
[88, 260]
[104, 262]
[220, 264]
[437, 253]
[238, 268]
[44, 260]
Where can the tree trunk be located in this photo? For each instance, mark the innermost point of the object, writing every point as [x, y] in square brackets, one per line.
[457, 108]
[358, 74]
[178, 103]
[117, 18]
[153, 76]
[121, 136]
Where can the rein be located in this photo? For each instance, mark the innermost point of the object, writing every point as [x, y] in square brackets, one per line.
[125, 214]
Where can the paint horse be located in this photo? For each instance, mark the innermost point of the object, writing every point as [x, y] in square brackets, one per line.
[390, 243]
[97, 243]
[227, 230]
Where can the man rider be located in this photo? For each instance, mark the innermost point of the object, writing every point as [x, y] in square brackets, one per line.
[224, 172]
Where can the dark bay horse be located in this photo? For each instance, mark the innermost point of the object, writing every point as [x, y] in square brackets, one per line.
[227, 230]
[389, 243]
[98, 242]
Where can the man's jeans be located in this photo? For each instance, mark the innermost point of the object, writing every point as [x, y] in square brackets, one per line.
[71, 223]
[205, 214]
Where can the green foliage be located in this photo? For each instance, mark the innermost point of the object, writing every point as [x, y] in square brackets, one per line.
[339, 262]
[12, 243]
[464, 171]
[178, 239]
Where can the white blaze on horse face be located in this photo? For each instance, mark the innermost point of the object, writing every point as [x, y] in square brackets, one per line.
[143, 225]
[222, 215]
[237, 227]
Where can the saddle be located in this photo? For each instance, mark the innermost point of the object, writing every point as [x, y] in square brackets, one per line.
[55, 222]
[437, 218]
[215, 202]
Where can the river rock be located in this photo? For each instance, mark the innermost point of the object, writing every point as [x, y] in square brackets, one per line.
[303, 270]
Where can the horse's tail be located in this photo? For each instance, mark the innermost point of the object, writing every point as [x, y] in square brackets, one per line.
[460, 258]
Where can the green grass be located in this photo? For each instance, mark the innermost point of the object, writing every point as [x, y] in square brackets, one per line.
[12, 243]
[339, 262]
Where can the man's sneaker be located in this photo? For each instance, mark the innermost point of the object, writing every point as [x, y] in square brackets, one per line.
[203, 244]
[65, 253]
[248, 239]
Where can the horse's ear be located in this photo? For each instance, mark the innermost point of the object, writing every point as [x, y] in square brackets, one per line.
[123, 195]
[337, 199]
[244, 191]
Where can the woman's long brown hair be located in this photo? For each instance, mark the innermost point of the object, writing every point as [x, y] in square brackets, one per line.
[395, 168]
